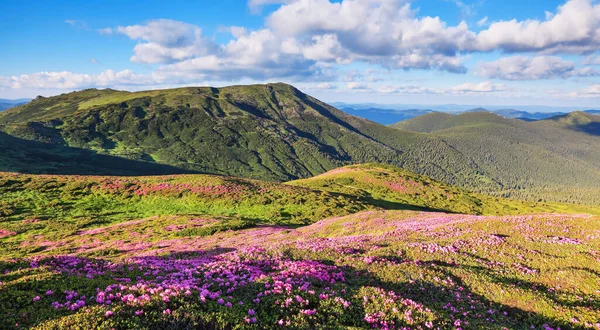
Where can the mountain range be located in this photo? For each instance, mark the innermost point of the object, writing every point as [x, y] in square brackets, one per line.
[388, 116]
[7, 104]
[275, 132]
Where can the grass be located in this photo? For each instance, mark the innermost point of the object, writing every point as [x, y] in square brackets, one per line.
[359, 247]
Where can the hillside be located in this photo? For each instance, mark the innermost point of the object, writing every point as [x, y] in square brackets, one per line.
[275, 132]
[553, 157]
[271, 132]
[391, 187]
[210, 252]
[579, 121]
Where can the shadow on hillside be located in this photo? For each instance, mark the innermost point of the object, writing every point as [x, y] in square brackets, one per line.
[390, 205]
[482, 312]
[562, 299]
[592, 128]
[32, 157]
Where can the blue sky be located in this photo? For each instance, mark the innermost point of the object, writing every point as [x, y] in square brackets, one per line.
[485, 52]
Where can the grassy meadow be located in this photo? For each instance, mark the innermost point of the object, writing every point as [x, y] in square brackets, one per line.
[365, 246]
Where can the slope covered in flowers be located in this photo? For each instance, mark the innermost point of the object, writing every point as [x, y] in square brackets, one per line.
[204, 252]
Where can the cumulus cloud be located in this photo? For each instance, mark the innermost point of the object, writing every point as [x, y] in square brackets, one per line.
[385, 32]
[165, 41]
[532, 68]
[258, 55]
[575, 28]
[302, 37]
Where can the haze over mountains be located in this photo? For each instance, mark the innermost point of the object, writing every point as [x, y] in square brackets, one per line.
[388, 115]
[7, 104]
[275, 132]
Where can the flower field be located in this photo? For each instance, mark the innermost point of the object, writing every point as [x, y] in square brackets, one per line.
[203, 252]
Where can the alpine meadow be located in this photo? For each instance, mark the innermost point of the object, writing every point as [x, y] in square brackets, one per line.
[300, 164]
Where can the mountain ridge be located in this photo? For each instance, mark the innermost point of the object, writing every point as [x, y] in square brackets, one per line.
[275, 132]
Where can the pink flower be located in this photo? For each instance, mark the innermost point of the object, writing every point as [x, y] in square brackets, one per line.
[139, 312]
[36, 298]
[309, 311]
[167, 312]
[108, 314]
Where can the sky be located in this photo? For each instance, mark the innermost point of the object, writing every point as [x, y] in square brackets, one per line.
[484, 52]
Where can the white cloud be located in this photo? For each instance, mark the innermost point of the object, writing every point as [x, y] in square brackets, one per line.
[532, 68]
[384, 32]
[326, 86]
[466, 88]
[256, 5]
[165, 41]
[70, 80]
[483, 87]
[593, 91]
[482, 21]
[302, 37]
[591, 60]
[357, 86]
[77, 24]
[94, 61]
[575, 28]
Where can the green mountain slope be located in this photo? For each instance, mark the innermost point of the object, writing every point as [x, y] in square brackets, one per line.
[26, 156]
[275, 132]
[271, 132]
[388, 186]
[554, 158]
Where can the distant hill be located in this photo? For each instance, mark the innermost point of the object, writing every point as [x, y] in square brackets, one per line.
[7, 104]
[519, 114]
[276, 132]
[386, 116]
[579, 121]
[548, 150]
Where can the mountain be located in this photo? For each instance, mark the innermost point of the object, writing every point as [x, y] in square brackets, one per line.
[385, 116]
[557, 156]
[593, 112]
[7, 104]
[579, 121]
[519, 114]
[275, 132]
[272, 132]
